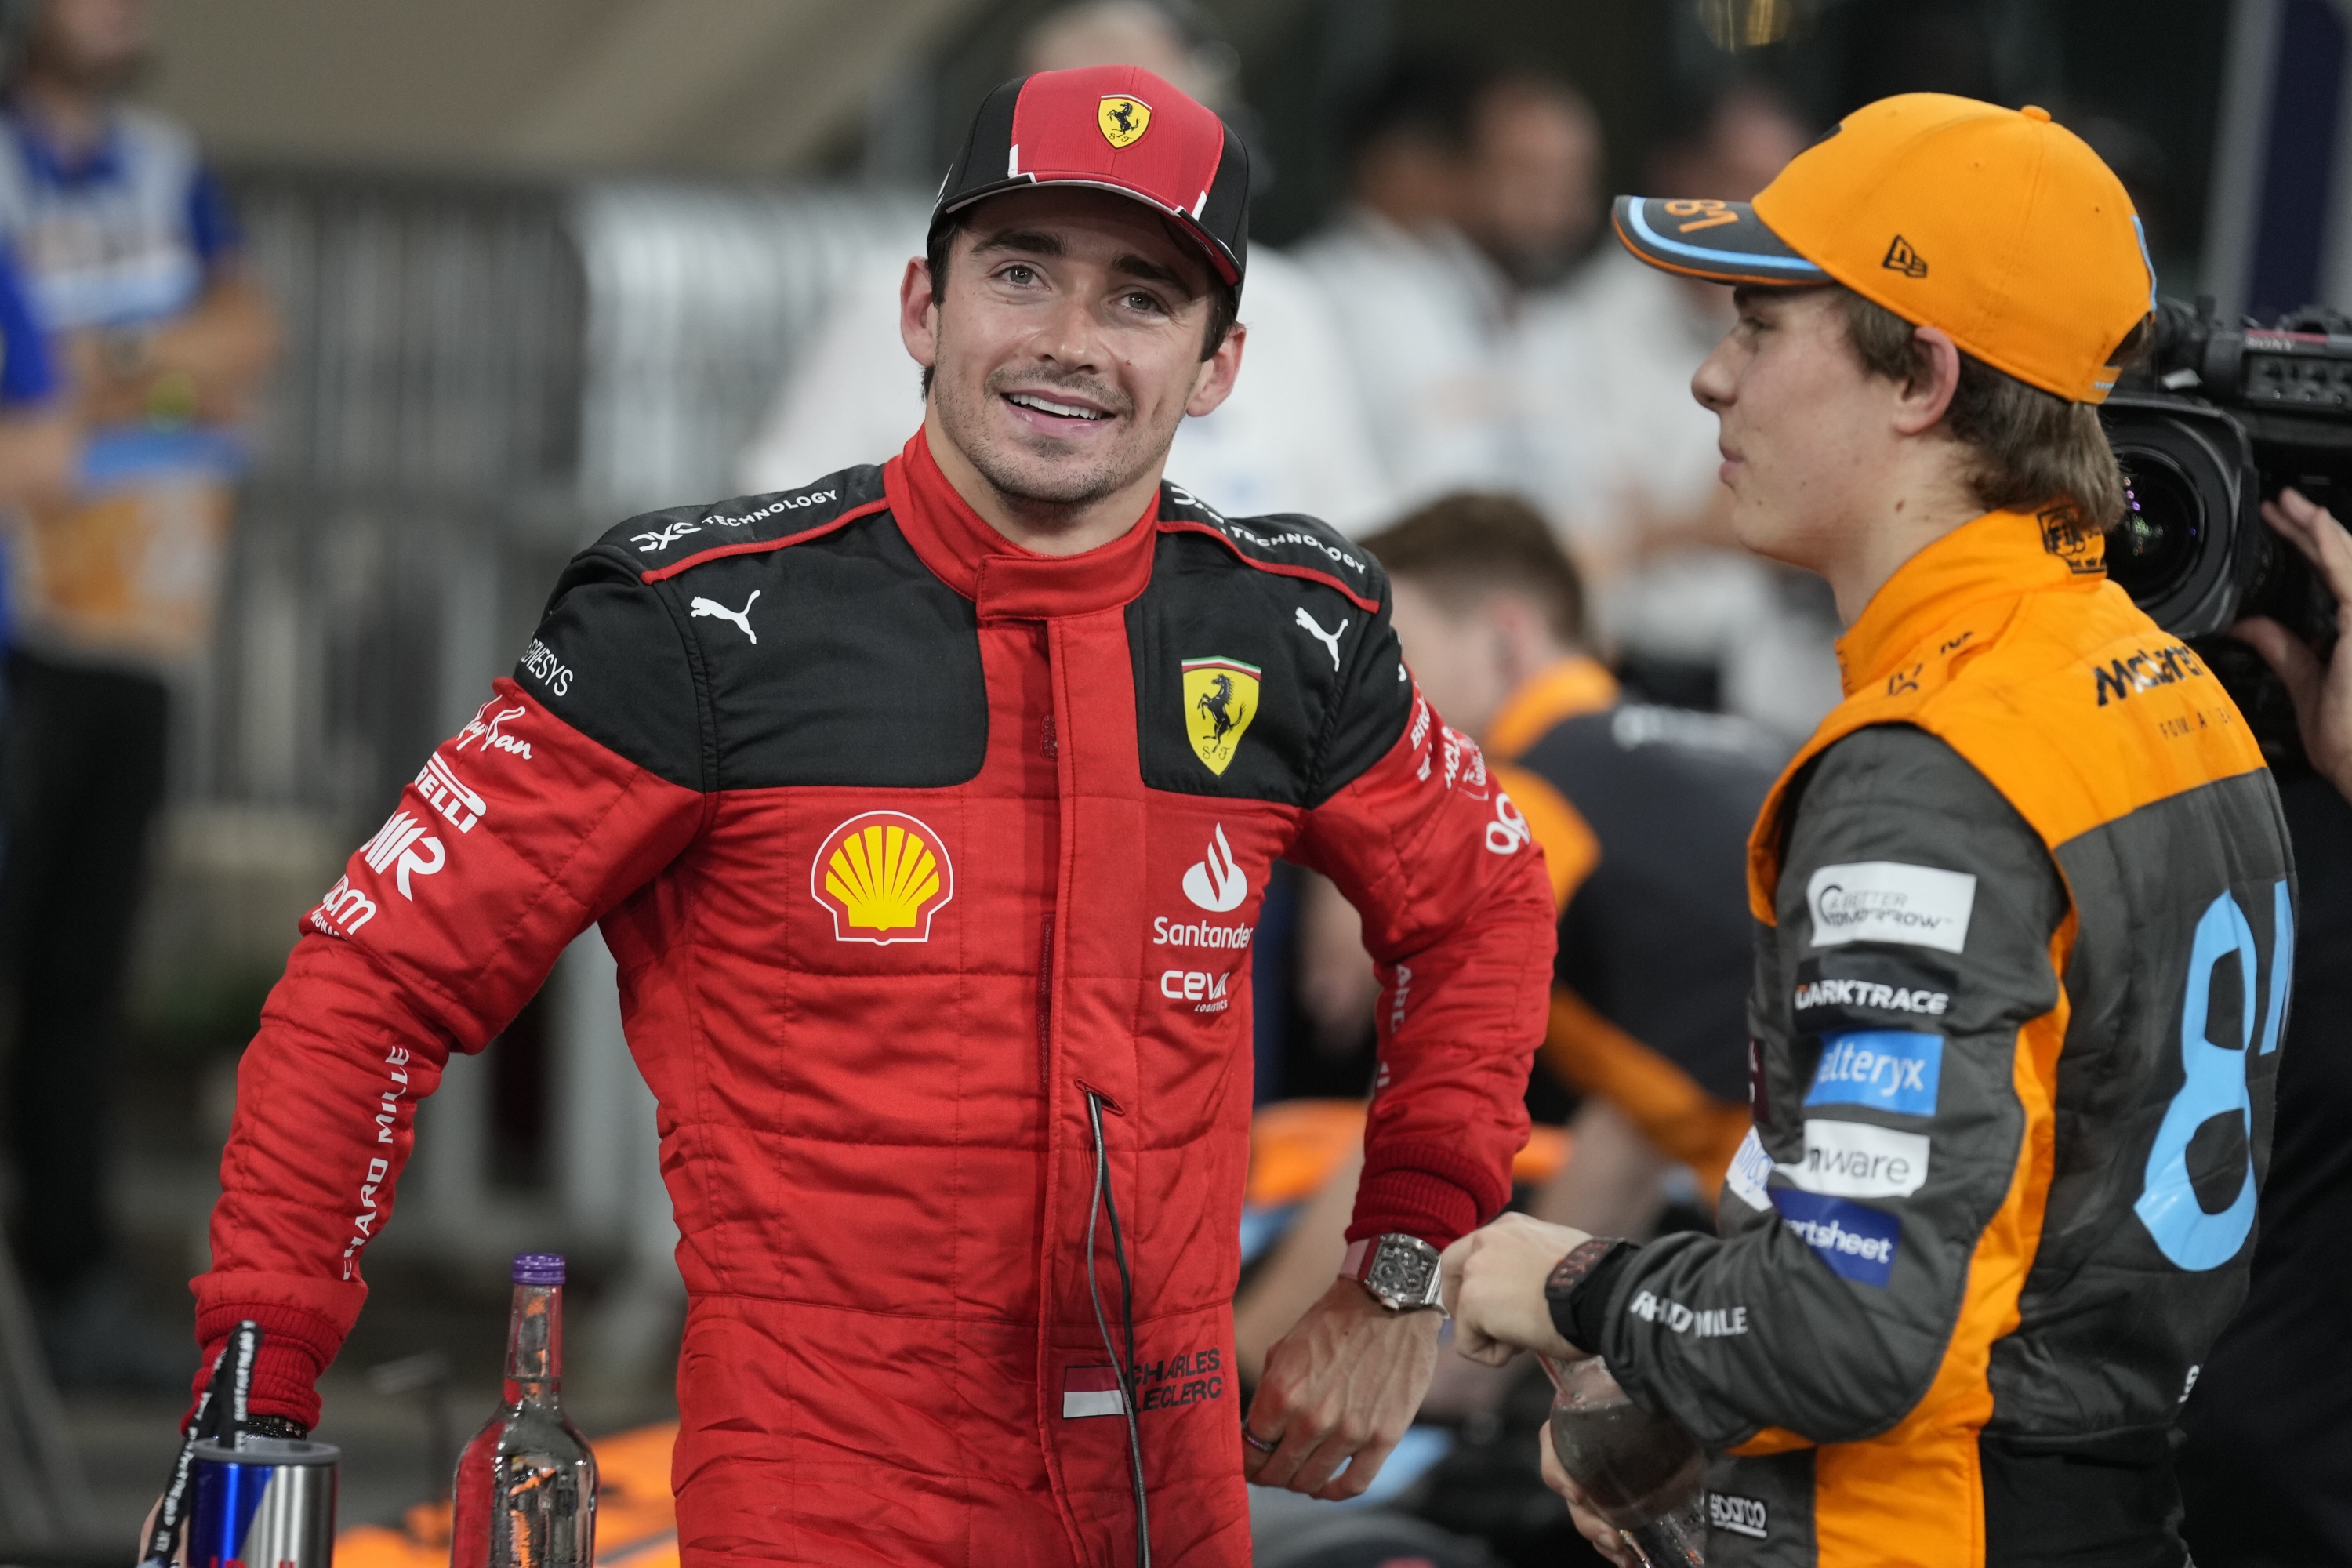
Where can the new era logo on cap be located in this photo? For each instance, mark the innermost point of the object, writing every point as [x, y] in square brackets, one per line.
[1111, 128]
[1901, 257]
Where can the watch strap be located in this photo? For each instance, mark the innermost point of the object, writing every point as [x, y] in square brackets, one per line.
[1578, 1288]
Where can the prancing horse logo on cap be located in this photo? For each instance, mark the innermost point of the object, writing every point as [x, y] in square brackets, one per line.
[1123, 120]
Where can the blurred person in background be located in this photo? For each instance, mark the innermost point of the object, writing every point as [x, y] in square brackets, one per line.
[928, 810]
[130, 260]
[2266, 1470]
[1626, 461]
[36, 432]
[1643, 814]
[1289, 440]
[1469, 189]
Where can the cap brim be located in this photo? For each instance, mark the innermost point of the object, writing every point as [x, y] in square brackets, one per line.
[1724, 242]
[1219, 260]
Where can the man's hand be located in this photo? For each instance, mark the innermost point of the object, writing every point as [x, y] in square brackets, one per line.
[2322, 695]
[1493, 1284]
[1580, 1512]
[1339, 1389]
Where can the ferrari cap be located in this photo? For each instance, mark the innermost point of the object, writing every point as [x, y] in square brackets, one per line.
[1113, 128]
[1996, 225]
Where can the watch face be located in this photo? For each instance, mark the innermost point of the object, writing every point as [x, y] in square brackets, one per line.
[1401, 1272]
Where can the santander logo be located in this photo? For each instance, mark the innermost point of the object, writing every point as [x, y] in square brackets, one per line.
[1214, 882]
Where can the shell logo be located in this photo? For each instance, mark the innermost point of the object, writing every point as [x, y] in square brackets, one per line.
[884, 875]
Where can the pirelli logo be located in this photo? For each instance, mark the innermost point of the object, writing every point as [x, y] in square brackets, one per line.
[2150, 667]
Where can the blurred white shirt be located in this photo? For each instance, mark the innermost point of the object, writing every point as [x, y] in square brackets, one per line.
[1622, 446]
[1290, 438]
[1425, 319]
[1607, 364]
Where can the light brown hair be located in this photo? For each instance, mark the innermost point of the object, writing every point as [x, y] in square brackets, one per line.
[1473, 543]
[2030, 450]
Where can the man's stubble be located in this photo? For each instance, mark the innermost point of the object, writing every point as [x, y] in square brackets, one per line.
[1027, 478]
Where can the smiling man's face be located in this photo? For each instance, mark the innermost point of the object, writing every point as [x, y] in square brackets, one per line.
[1066, 343]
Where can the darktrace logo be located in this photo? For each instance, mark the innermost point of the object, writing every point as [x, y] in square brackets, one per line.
[1901, 257]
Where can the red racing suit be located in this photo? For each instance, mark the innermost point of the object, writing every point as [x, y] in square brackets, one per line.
[918, 854]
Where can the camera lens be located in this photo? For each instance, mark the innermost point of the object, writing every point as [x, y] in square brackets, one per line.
[2156, 546]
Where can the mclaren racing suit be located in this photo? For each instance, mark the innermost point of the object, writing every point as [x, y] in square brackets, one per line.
[930, 865]
[2027, 917]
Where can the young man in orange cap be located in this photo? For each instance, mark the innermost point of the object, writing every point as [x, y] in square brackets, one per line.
[2025, 903]
[928, 809]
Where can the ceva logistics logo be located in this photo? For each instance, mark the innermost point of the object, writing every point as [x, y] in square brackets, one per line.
[884, 875]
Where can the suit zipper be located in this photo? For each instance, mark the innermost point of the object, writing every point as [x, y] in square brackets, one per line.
[1045, 1014]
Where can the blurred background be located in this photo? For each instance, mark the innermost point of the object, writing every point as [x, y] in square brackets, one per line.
[482, 279]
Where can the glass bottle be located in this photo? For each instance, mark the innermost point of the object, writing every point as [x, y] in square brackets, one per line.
[1640, 1470]
[526, 1487]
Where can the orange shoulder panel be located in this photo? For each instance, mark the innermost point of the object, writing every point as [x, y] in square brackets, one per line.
[2076, 705]
[1571, 847]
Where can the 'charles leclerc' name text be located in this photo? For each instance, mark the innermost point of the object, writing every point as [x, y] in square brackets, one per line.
[1703, 1322]
[1870, 994]
[1166, 933]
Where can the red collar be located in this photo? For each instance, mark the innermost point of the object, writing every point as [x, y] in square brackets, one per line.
[1007, 582]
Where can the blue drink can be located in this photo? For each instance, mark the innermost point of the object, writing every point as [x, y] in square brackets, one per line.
[270, 1504]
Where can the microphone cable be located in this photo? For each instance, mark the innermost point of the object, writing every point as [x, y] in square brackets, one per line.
[1121, 1368]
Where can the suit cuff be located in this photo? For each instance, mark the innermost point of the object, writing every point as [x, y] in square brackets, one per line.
[296, 1347]
[1434, 1193]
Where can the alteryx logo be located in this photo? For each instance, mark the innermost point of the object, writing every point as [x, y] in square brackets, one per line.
[1887, 1069]
[1858, 1243]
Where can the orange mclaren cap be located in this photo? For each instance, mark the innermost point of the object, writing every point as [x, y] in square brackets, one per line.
[1996, 225]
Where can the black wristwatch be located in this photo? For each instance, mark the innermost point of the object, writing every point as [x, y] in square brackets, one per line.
[1575, 1309]
[1400, 1271]
[277, 1426]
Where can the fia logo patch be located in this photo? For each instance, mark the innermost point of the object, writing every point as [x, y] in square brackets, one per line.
[2083, 550]
[1220, 701]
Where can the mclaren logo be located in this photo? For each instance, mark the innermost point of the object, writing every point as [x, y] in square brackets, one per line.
[1220, 701]
[1123, 120]
[884, 875]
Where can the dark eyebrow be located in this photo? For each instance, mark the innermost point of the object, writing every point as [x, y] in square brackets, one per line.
[1153, 272]
[1036, 242]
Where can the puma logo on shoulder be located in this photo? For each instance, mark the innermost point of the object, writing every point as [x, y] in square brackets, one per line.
[1330, 639]
[742, 617]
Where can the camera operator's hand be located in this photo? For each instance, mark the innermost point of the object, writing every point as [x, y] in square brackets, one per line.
[2322, 693]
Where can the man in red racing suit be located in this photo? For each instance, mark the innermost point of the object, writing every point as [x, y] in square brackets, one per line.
[927, 809]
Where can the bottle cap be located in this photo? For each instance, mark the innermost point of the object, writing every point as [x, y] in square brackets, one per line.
[538, 1269]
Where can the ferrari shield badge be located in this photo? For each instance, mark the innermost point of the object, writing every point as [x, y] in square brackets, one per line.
[1220, 701]
[1123, 120]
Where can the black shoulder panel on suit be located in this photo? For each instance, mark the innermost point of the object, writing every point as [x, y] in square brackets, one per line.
[838, 660]
[610, 660]
[1259, 671]
[803, 644]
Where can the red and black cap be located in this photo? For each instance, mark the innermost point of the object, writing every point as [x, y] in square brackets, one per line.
[1113, 128]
